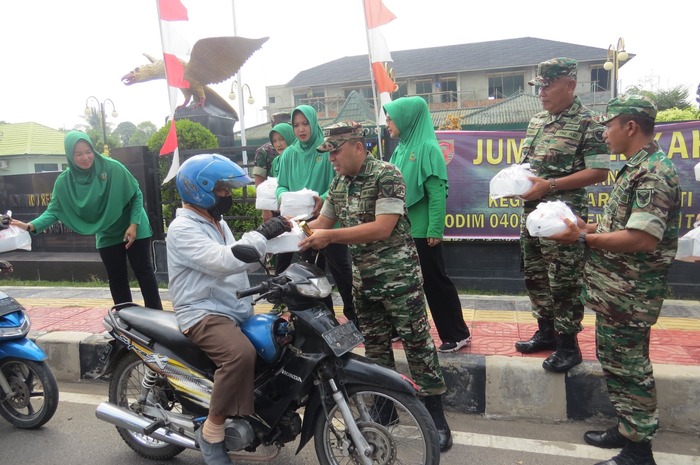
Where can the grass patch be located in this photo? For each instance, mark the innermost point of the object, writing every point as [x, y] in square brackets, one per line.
[93, 282]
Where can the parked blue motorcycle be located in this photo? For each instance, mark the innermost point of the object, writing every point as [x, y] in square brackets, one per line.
[28, 389]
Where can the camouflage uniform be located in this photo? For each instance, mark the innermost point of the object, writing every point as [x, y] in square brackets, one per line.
[386, 274]
[557, 146]
[263, 160]
[626, 290]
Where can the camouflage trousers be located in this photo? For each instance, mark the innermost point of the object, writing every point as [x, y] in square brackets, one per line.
[553, 280]
[381, 310]
[623, 352]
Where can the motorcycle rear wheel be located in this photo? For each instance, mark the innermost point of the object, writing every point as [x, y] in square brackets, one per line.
[35, 393]
[396, 425]
[124, 390]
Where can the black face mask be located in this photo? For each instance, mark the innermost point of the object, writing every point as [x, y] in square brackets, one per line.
[221, 207]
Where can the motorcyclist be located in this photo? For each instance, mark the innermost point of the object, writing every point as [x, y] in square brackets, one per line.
[204, 276]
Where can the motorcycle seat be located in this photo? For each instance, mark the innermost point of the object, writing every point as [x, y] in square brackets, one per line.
[162, 327]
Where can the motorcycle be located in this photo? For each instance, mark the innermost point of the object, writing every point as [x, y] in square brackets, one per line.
[28, 389]
[357, 411]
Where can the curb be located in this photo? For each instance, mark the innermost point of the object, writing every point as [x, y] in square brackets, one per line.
[494, 386]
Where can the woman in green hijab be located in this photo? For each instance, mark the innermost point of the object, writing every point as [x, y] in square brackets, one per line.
[98, 196]
[422, 164]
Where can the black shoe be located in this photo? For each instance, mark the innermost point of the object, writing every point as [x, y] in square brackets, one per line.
[434, 406]
[545, 338]
[634, 453]
[212, 453]
[567, 356]
[608, 439]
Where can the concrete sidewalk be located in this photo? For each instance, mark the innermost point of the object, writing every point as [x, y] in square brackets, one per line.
[487, 377]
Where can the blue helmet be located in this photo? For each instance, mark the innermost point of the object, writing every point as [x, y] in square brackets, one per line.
[200, 175]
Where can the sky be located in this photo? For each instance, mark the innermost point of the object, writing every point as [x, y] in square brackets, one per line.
[56, 54]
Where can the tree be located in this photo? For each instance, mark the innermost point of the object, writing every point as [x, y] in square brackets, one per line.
[124, 131]
[677, 114]
[143, 132]
[697, 98]
[677, 97]
[190, 135]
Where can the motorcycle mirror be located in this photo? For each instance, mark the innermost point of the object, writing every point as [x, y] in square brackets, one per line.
[245, 253]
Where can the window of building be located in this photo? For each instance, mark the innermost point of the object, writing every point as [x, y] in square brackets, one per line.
[314, 97]
[600, 79]
[424, 89]
[271, 100]
[44, 167]
[448, 89]
[505, 85]
[402, 91]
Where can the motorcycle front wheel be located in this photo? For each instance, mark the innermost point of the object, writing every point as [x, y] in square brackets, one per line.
[397, 427]
[34, 393]
[124, 390]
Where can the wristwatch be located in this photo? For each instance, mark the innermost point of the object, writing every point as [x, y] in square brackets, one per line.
[582, 239]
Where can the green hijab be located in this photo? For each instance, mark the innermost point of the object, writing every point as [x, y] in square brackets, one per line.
[286, 131]
[301, 166]
[418, 155]
[91, 200]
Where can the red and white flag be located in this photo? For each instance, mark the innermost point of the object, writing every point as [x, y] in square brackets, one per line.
[169, 12]
[377, 15]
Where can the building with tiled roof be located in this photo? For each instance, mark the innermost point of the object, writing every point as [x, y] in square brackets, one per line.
[454, 79]
[30, 148]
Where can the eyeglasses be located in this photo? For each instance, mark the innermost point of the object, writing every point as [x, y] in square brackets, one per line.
[336, 148]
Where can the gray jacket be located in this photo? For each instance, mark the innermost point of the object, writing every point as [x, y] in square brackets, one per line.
[203, 273]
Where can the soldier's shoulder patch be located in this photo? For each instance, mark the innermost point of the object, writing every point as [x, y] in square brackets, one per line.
[643, 197]
[598, 133]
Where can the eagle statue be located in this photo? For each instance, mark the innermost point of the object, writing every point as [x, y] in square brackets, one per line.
[212, 60]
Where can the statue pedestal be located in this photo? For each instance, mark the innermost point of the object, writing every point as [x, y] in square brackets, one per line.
[219, 122]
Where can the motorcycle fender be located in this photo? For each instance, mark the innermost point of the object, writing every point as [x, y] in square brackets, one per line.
[110, 356]
[22, 348]
[354, 369]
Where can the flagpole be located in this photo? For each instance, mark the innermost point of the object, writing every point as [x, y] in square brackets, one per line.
[377, 108]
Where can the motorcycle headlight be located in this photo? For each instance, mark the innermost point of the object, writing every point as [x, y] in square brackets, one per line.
[315, 287]
[14, 325]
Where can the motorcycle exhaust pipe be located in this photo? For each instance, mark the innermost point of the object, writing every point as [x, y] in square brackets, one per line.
[127, 419]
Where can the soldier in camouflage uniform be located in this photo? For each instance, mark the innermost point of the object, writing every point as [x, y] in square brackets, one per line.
[267, 152]
[631, 251]
[565, 148]
[366, 198]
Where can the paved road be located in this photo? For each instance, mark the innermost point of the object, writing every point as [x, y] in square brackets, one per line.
[75, 436]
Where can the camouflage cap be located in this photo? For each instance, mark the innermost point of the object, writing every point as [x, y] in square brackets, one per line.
[280, 117]
[632, 104]
[335, 134]
[551, 70]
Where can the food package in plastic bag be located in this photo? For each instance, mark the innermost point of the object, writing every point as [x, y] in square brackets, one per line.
[548, 219]
[511, 181]
[265, 197]
[689, 245]
[298, 204]
[14, 238]
[286, 242]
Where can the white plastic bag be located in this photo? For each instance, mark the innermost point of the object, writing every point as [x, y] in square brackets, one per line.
[548, 219]
[298, 204]
[14, 238]
[286, 242]
[697, 172]
[265, 197]
[511, 181]
[689, 245]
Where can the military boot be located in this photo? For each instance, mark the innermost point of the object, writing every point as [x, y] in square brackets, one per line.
[634, 453]
[567, 356]
[544, 338]
[434, 406]
[608, 439]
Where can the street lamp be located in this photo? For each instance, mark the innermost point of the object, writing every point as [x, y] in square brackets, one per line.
[91, 111]
[615, 56]
[241, 110]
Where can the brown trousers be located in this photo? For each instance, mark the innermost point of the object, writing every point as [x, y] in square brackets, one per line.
[234, 355]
